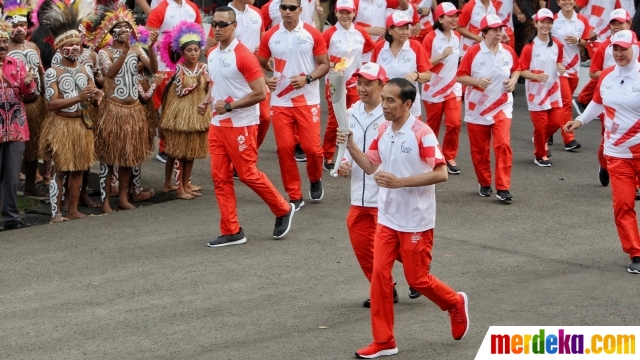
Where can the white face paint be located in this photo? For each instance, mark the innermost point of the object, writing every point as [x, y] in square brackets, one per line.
[71, 52]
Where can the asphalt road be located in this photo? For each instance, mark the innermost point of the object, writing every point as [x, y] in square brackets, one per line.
[141, 284]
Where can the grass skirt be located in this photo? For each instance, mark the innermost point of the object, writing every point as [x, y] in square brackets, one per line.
[181, 114]
[67, 142]
[186, 145]
[122, 134]
[36, 112]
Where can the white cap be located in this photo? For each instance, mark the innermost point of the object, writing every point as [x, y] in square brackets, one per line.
[542, 14]
[398, 18]
[372, 71]
[345, 5]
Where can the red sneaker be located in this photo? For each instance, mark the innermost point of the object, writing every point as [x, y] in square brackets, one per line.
[374, 350]
[460, 317]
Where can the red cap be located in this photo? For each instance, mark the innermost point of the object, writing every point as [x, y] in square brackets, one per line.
[491, 21]
[542, 14]
[345, 5]
[398, 18]
[446, 8]
[624, 38]
[621, 15]
[372, 71]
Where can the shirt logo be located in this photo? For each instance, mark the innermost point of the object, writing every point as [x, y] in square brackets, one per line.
[254, 21]
[375, 126]
[241, 144]
[302, 41]
[416, 237]
[608, 87]
[225, 63]
[278, 42]
[406, 59]
[172, 16]
[405, 149]
[635, 88]
[483, 63]
[614, 128]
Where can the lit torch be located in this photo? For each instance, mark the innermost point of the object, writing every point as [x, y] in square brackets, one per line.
[338, 89]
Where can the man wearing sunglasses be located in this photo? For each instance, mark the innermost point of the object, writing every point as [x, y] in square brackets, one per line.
[271, 15]
[239, 86]
[300, 59]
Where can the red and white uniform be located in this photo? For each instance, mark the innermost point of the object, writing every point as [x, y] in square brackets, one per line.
[470, 16]
[577, 26]
[271, 16]
[343, 43]
[373, 13]
[249, 26]
[426, 21]
[232, 136]
[406, 217]
[617, 96]
[504, 9]
[544, 100]
[410, 59]
[362, 218]
[488, 112]
[294, 55]
[597, 14]
[411, 14]
[442, 95]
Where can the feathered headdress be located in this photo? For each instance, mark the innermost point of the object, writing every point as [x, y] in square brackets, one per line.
[16, 11]
[143, 37]
[63, 19]
[112, 18]
[5, 29]
[186, 33]
[35, 8]
[167, 55]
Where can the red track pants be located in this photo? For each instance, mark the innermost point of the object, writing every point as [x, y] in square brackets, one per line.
[567, 88]
[265, 119]
[480, 137]
[285, 121]
[586, 95]
[330, 133]
[415, 250]
[623, 174]
[451, 109]
[545, 124]
[235, 147]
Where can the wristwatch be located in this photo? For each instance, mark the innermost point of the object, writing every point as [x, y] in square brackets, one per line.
[227, 107]
[309, 79]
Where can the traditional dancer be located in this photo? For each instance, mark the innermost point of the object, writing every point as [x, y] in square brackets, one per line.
[15, 82]
[238, 86]
[122, 130]
[67, 135]
[410, 173]
[16, 12]
[185, 130]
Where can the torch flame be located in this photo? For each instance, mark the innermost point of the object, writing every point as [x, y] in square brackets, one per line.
[343, 64]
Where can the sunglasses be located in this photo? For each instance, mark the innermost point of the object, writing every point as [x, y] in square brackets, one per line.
[289, 7]
[221, 24]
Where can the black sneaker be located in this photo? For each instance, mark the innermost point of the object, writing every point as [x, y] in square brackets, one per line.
[367, 303]
[572, 145]
[235, 175]
[316, 192]
[637, 197]
[297, 204]
[485, 191]
[413, 294]
[603, 175]
[634, 268]
[162, 157]
[452, 167]
[578, 106]
[299, 154]
[328, 165]
[550, 141]
[224, 240]
[504, 195]
[14, 225]
[283, 223]
[545, 162]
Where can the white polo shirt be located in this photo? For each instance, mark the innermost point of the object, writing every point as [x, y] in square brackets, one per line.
[231, 71]
[577, 26]
[443, 84]
[470, 16]
[351, 43]
[410, 59]
[539, 58]
[486, 106]
[413, 150]
[597, 13]
[272, 17]
[167, 15]
[504, 9]
[617, 96]
[364, 126]
[293, 55]
[372, 13]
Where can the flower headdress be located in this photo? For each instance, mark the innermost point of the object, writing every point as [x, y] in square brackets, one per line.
[63, 19]
[112, 18]
[16, 11]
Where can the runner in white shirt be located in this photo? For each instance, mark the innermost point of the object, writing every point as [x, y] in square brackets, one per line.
[344, 41]
[408, 151]
[271, 13]
[237, 86]
[371, 15]
[540, 64]
[597, 14]
[442, 95]
[469, 20]
[572, 30]
[402, 57]
[300, 59]
[490, 71]
[617, 97]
